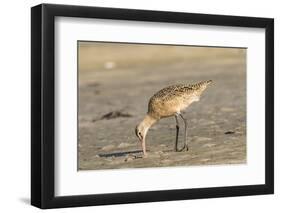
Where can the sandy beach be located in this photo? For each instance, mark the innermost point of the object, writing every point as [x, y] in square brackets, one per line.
[115, 84]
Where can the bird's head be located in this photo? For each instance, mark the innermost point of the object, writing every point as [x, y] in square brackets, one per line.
[142, 129]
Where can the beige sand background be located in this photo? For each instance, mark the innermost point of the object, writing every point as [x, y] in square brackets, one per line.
[115, 84]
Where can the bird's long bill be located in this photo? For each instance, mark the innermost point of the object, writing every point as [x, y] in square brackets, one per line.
[143, 146]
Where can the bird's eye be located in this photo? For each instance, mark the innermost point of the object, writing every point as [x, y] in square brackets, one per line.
[139, 134]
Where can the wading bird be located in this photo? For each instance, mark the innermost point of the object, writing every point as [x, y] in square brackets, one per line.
[168, 102]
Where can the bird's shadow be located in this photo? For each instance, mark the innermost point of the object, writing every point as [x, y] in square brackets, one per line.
[119, 154]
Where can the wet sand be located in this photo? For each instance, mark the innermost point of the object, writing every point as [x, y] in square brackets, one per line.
[115, 84]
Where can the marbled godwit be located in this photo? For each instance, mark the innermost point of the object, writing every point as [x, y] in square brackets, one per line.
[168, 102]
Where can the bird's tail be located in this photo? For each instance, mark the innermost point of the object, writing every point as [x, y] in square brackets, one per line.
[208, 82]
[201, 84]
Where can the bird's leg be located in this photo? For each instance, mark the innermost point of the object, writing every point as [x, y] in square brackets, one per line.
[185, 147]
[177, 133]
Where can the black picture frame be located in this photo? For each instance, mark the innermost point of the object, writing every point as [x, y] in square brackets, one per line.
[43, 102]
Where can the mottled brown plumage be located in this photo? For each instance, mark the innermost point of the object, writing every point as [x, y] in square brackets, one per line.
[170, 101]
[173, 99]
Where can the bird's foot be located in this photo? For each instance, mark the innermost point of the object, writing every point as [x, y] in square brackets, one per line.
[145, 155]
[184, 148]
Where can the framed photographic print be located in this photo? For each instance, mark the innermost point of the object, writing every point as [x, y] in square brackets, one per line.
[139, 106]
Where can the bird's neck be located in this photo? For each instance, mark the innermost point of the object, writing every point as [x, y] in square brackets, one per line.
[148, 121]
